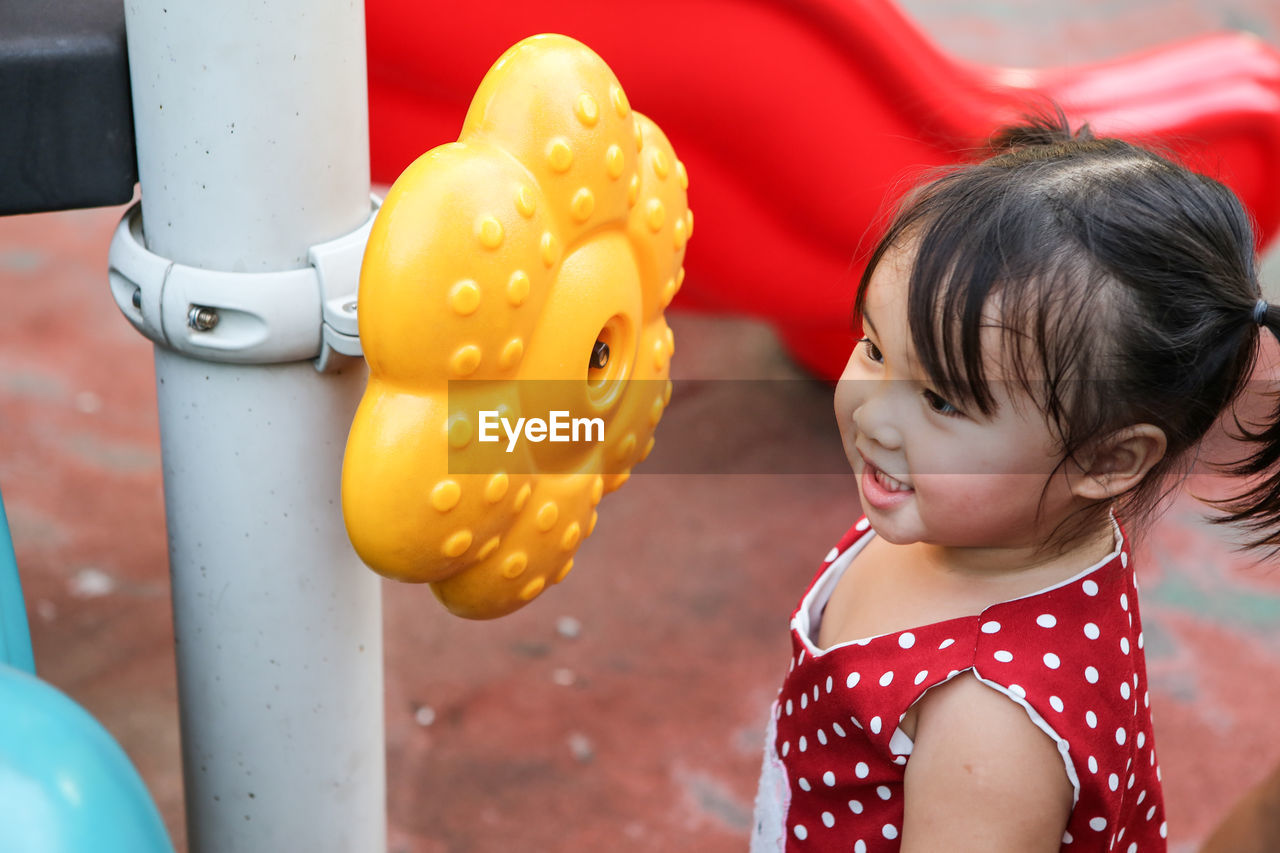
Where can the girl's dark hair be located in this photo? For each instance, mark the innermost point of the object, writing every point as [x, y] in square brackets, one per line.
[1125, 289]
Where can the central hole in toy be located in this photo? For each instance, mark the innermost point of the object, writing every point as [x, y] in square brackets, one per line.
[608, 365]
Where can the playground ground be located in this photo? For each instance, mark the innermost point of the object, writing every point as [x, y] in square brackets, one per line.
[624, 710]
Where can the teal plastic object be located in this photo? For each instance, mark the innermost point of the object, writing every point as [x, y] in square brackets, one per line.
[65, 785]
[15, 637]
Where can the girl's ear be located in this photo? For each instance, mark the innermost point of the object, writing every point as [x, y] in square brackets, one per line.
[1119, 462]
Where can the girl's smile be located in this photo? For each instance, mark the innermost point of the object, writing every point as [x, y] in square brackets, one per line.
[880, 490]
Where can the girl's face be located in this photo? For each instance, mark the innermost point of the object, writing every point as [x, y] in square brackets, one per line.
[928, 472]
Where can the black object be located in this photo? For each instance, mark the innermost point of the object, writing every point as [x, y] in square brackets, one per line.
[66, 115]
[599, 354]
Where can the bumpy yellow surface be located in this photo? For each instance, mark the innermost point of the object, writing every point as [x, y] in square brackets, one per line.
[557, 219]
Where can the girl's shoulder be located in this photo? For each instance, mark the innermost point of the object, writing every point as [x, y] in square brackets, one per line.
[1068, 639]
[1071, 616]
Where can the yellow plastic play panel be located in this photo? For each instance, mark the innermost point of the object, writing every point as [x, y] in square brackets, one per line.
[519, 272]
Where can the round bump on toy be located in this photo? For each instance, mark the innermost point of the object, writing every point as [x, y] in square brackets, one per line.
[464, 297]
[656, 410]
[518, 287]
[559, 155]
[465, 360]
[532, 589]
[564, 571]
[614, 161]
[457, 544]
[496, 489]
[515, 564]
[633, 190]
[648, 448]
[586, 110]
[659, 356]
[584, 202]
[488, 548]
[490, 232]
[620, 104]
[572, 534]
[654, 214]
[522, 497]
[445, 495]
[511, 353]
[639, 137]
[627, 447]
[680, 237]
[668, 292]
[591, 523]
[597, 490]
[682, 175]
[688, 216]
[660, 166]
[550, 251]
[547, 515]
[526, 205]
[459, 431]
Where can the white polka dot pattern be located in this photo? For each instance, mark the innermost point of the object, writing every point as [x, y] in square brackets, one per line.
[1065, 653]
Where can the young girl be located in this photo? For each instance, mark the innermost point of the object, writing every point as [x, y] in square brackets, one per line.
[1048, 336]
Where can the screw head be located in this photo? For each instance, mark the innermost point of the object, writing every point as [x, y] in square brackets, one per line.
[349, 307]
[202, 319]
[137, 298]
[599, 355]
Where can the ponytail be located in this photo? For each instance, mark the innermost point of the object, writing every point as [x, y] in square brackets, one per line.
[1258, 508]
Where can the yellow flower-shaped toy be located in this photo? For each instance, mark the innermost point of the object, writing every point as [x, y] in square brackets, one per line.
[520, 272]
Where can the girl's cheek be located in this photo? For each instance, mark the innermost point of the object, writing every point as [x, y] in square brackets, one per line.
[946, 492]
[846, 396]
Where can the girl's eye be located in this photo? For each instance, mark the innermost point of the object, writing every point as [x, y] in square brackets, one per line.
[939, 405]
[872, 351]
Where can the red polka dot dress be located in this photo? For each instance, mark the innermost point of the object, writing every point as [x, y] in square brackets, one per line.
[1070, 656]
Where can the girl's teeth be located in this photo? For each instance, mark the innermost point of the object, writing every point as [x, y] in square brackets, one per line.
[889, 483]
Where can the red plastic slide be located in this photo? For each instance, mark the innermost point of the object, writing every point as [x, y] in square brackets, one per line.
[800, 121]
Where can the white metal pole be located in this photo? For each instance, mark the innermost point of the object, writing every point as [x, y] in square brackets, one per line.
[252, 138]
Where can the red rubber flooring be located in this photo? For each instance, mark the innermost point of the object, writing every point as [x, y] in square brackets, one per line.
[624, 709]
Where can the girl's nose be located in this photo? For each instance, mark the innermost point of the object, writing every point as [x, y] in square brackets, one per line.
[874, 417]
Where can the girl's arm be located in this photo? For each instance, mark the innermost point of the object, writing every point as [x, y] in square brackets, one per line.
[982, 777]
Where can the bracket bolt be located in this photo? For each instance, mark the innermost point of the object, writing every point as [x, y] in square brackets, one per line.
[599, 355]
[137, 298]
[202, 319]
[349, 307]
